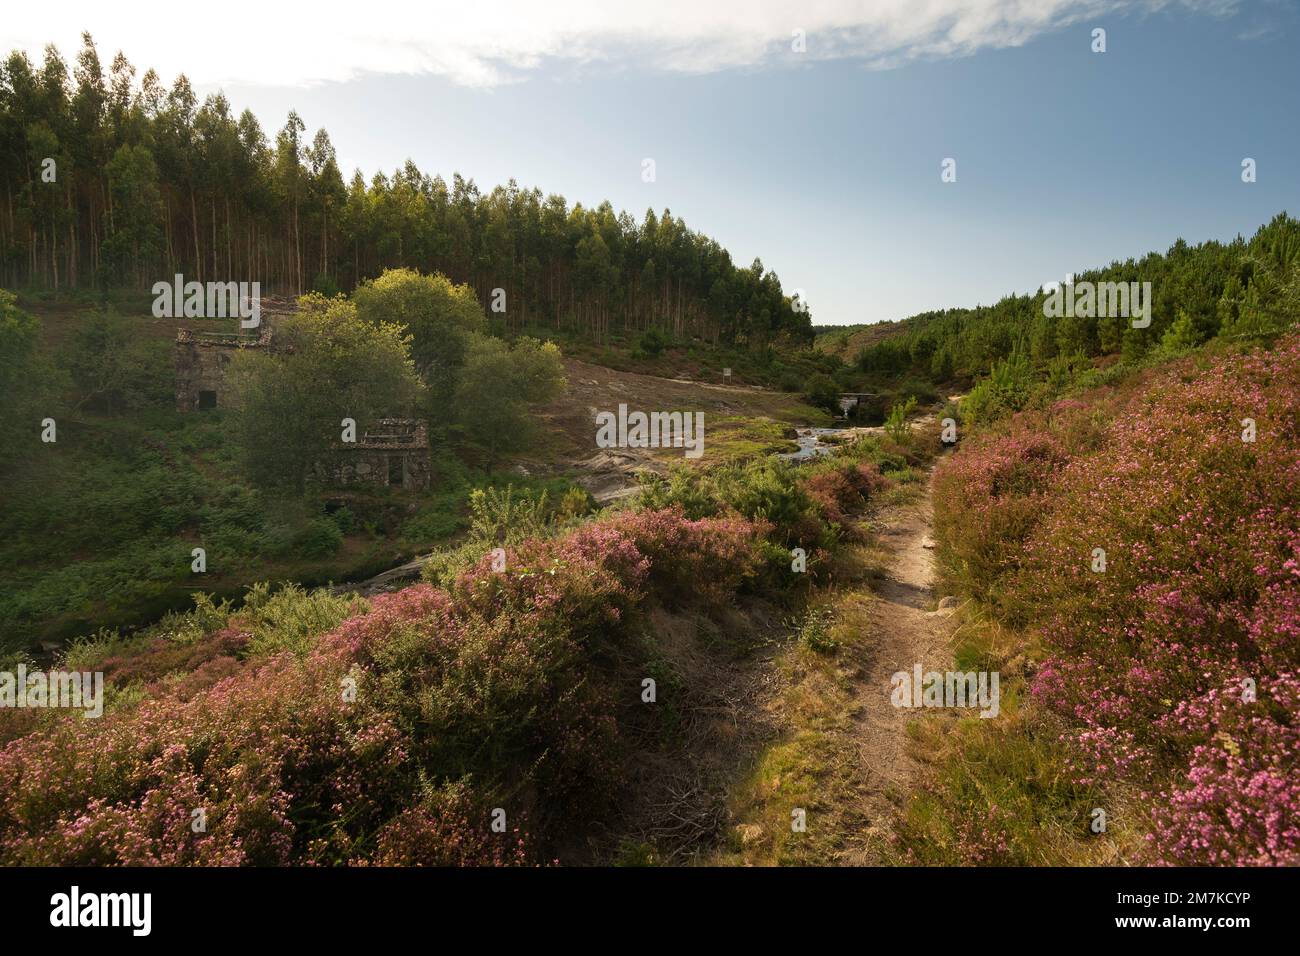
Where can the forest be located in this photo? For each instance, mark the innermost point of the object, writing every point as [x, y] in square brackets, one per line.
[110, 182]
[1212, 289]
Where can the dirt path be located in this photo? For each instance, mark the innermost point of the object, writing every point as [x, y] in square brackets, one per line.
[908, 630]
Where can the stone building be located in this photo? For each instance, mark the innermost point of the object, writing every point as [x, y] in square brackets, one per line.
[395, 452]
[201, 361]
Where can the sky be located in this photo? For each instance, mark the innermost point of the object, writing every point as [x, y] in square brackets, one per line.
[808, 134]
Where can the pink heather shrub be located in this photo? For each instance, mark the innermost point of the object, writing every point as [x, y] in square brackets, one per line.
[840, 488]
[445, 829]
[708, 560]
[1239, 803]
[988, 498]
[164, 657]
[484, 695]
[1150, 661]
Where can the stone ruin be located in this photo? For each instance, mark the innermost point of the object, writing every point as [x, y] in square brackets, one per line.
[394, 453]
[201, 357]
[201, 361]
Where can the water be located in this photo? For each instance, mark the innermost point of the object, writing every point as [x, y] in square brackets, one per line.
[812, 444]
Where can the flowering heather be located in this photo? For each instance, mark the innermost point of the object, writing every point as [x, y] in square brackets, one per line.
[1175, 667]
[839, 488]
[708, 560]
[486, 694]
[987, 500]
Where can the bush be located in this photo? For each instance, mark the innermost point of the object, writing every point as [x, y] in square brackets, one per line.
[291, 618]
[344, 519]
[988, 499]
[789, 381]
[839, 487]
[1004, 392]
[896, 425]
[416, 712]
[763, 490]
[653, 342]
[815, 632]
[822, 392]
[1174, 668]
[319, 539]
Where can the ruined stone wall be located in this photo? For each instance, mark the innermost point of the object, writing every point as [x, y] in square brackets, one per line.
[201, 360]
[404, 468]
[393, 453]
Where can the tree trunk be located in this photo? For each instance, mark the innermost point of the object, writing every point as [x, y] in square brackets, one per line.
[194, 224]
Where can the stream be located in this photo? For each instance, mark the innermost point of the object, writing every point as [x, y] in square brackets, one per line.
[812, 444]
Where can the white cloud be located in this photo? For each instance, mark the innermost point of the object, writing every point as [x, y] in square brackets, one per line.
[491, 42]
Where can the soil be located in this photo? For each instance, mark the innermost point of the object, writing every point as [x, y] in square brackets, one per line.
[909, 632]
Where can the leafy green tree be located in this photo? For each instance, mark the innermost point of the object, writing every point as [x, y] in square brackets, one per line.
[440, 317]
[497, 386]
[822, 392]
[328, 365]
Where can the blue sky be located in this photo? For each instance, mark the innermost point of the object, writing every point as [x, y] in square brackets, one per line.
[824, 164]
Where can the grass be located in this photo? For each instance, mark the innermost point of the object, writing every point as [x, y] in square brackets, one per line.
[813, 764]
[997, 792]
[739, 437]
[992, 792]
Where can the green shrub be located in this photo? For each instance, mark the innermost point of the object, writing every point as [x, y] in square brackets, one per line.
[320, 539]
[823, 392]
[506, 515]
[1006, 390]
[896, 424]
[815, 631]
[292, 619]
[653, 342]
[789, 381]
[344, 519]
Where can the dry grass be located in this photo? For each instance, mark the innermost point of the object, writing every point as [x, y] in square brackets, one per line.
[813, 765]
